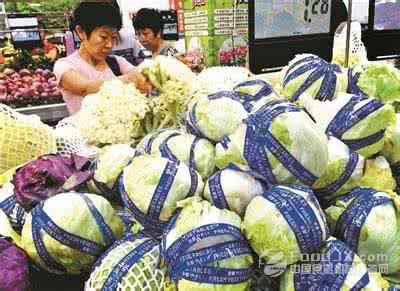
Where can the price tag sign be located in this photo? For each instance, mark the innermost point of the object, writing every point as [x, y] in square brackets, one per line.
[285, 18]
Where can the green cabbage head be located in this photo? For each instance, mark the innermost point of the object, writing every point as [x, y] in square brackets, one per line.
[359, 123]
[284, 223]
[68, 231]
[300, 139]
[214, 118]
[368, 221]
[152, 186]
[233, 188]
[109, 165]
[380, 80]
[201, 227]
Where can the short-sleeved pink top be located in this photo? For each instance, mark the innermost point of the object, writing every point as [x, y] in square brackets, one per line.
[75, 62]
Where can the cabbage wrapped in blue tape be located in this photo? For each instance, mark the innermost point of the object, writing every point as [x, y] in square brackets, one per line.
[344, 171]
[233, 188]
[205, 250]
[309, 75]
[280, 142]
[254, 89]
[285, 223]
[217, 115]
[67, 232]
[197, 153]
[151, 187]
[335, 267]
[367, 220]
[359, 122]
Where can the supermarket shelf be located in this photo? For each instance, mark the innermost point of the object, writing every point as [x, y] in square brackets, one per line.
[47, 113]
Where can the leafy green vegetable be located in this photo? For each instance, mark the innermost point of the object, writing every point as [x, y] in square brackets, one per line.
[364, 121]
[293, 129]
[344, 172]
[380, 80]
[237, 185]
[373, 229]
[175, 83]
[274, 234]
[196, 215]
[378, 175]
[391, 149]
[156, 180]
[206, 118]
[89, 218]
[329, 81]
[108, 168]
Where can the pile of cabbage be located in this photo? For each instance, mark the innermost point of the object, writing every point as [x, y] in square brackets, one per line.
[254, 190]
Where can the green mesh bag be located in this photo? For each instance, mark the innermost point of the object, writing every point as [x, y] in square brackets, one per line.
[130, 264]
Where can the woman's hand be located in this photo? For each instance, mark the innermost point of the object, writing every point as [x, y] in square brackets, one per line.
[141, 82]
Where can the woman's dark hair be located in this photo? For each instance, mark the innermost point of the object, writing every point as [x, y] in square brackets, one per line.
[91, 15]
[148, 18]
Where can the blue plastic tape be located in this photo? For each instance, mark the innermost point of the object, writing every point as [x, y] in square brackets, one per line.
[344, 177]
[161, 192]
[266, 89]
[217, 192]
[350, 222]
[165, 150]
[105, 229]
[300, 216]
[193, 265]
[192, 158]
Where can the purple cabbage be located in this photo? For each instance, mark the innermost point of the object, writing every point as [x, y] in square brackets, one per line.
[14, 267]
[50, 175]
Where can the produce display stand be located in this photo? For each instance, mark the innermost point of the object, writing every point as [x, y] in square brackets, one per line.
[48, 113]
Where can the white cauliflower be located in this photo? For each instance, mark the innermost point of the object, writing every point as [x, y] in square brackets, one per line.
[113, 115]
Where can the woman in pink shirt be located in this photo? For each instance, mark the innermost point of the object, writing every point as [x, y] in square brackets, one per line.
[83, 72]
